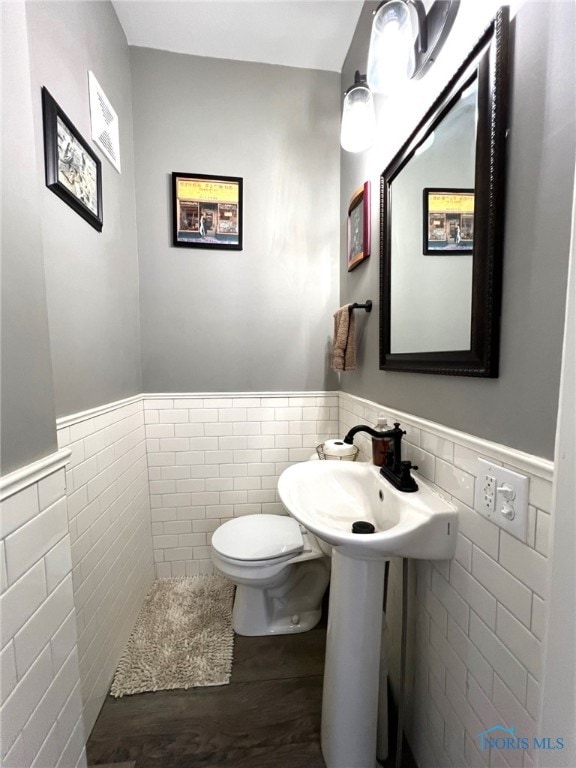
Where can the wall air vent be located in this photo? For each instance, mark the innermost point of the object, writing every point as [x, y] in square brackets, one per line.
[104, 122]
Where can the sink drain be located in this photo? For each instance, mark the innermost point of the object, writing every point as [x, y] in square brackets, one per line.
[361, 526]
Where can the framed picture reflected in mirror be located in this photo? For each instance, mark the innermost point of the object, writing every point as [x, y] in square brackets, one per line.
[448, 221]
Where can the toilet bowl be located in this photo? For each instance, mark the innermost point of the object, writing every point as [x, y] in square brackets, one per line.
[280, 570]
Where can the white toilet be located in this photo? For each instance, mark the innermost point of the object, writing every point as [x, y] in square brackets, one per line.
[280, 571]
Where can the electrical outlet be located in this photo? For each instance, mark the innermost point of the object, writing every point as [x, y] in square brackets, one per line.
[489, 492]
[502, 496]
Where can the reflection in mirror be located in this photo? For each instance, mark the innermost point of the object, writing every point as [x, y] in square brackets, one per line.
[439, 283]
[441, 228]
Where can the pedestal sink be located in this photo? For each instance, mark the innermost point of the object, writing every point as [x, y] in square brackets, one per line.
[327, 497]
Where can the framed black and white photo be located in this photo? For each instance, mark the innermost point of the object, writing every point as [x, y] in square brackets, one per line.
[73, 170]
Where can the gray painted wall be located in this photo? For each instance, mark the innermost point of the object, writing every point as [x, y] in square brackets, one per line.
[519, 408]
[91, 277]
[27, 408]
[251, 320]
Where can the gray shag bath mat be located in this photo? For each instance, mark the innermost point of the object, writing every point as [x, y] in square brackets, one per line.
[183, 637]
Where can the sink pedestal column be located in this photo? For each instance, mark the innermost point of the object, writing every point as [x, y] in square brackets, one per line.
[351, 674]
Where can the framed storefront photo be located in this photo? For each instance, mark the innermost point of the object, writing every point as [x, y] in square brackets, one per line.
[73, 170]
[359, 226]
[448, 221]
[206, 211]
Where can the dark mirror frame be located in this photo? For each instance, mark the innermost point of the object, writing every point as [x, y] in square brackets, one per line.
[489, 61]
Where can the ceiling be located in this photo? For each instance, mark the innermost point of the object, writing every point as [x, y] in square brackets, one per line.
[313, 34]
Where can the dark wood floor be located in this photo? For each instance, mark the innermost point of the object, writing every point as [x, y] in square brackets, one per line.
[267, 717]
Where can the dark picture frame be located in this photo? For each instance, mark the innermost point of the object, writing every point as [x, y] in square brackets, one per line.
[359, 227]
[73, 170]
[448, 221]
[207, 211]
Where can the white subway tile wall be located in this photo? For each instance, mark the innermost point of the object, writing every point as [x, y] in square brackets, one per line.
[476, 634]
[110, 533]
[41, 708]
[151, 478]
[211, 458]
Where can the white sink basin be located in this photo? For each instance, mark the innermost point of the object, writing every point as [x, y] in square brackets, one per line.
[326, 497]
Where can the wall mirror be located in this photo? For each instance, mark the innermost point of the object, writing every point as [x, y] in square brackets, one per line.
[441, 228]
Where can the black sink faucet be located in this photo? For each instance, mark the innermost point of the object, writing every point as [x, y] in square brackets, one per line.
[395, 470]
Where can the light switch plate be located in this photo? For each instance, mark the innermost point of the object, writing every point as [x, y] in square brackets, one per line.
[500, 493]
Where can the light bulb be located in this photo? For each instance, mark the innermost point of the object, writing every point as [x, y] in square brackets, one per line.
[358, 129]
[391, 59]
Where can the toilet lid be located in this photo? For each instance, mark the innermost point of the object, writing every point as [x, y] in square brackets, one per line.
[258, 537]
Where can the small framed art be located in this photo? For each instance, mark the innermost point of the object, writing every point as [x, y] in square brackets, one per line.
[206, 211]
[448, 221]
[359, 226]
[73, 170]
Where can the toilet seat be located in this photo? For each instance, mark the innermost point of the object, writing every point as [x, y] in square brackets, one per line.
[258, 539]
[280, 571]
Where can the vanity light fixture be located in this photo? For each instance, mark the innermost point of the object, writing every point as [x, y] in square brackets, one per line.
[358, 129]
[405, 40]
